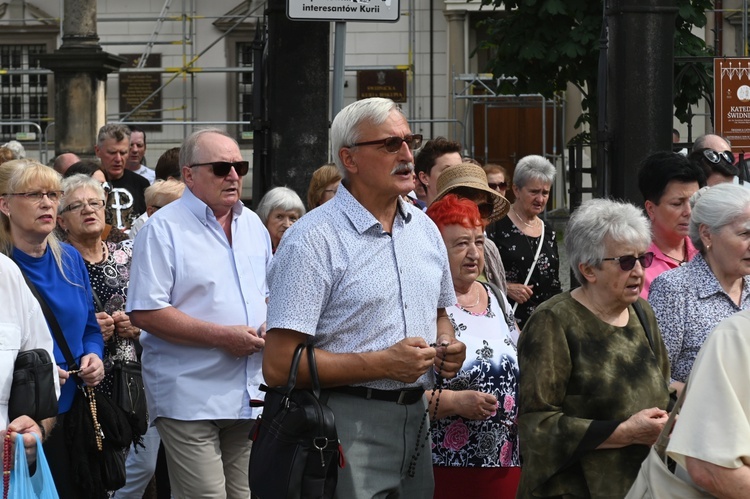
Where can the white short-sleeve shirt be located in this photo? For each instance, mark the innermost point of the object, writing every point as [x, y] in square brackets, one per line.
[182, 259]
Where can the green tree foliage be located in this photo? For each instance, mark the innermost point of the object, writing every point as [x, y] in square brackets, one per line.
[547, 43]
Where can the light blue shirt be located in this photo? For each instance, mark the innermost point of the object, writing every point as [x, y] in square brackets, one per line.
[181, 258]
[338, 277]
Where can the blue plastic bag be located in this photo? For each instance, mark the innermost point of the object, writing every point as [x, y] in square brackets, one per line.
[39, 486]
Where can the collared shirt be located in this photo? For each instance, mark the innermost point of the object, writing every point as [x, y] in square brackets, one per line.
[689, 302]
[662, 263]
[182, 259]
[338, 277]
[147, 173]
[22, 328]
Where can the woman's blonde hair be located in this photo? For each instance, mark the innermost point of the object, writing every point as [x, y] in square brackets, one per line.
[163, 192]
[22, 175]
[321, 178]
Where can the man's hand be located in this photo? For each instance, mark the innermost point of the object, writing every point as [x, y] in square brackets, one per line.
[409, 359]
[450, 356]
[241, 341]
[123, 327]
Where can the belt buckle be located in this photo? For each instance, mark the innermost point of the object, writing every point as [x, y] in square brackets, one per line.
[401, 397]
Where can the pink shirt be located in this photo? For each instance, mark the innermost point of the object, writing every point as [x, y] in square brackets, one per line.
[662, 263]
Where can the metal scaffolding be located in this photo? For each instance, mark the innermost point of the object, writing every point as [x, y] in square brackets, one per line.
[187, 72]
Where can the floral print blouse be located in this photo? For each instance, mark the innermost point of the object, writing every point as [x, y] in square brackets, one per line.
[109, 281]
[517, 251]
[689, 303]
[491, 367]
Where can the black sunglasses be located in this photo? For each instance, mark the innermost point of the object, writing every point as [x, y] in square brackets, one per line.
[627, 262]
[222, 168]
[393, 144]
[715, 157]
[485, 209]
[498, 186]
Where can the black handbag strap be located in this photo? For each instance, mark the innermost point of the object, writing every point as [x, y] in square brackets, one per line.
[313, 365]
[53, 324]
[294, 368]
[644, 323]
[99, 304]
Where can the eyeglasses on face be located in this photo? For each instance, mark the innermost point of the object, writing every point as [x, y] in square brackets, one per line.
[94, 204]
[222, 168]
[393, 144]
[37, 196]
[627, 262]
[498, 186]
[715, 157]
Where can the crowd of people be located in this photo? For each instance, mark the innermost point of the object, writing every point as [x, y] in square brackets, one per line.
[429, 286]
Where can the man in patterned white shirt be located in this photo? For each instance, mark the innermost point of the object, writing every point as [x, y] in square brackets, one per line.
[365, 279]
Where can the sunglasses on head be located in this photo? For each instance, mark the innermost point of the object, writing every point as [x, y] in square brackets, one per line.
[498, 186]
[715, 157]
[627, 262]
[393, 144]
[222, 168]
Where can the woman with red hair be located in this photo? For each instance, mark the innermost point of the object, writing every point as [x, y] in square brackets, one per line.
[475, 437]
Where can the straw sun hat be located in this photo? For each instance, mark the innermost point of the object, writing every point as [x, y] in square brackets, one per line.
[471, 176]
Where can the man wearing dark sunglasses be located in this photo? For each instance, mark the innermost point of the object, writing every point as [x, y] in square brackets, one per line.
[198, 286]
[365, 279]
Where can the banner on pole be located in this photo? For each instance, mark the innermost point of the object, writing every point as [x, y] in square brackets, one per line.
[732, 100]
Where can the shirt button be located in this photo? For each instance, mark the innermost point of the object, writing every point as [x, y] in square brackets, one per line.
[405, 306]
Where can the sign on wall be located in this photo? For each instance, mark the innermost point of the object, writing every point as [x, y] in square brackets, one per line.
[390, 83]
[732, 100]
[135, 87]
[343, 10]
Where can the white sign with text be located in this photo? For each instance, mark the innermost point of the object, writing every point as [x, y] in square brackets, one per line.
[343, 10]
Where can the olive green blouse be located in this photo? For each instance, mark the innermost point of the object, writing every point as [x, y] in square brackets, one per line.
[580, 378]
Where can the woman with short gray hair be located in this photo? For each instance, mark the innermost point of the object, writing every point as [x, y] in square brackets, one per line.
[527, 244]
[691, 300]
[278, 210]
[593, 392]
